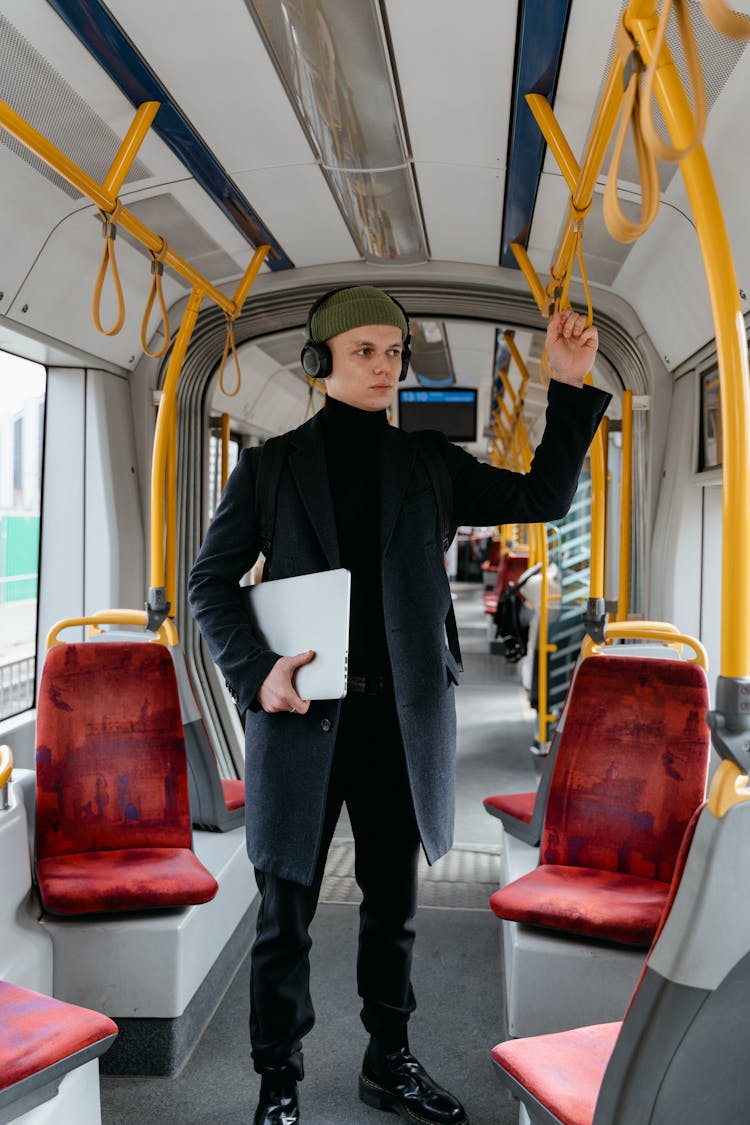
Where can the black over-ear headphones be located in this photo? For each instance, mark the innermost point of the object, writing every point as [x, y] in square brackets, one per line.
[316, 358]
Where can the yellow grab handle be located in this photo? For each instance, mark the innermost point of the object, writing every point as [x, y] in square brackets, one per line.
[166, 634]
[647, 631]
[727, 789]
[6, 765]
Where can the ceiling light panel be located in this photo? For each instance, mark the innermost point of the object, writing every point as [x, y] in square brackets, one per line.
[247, 121]
[332, 60]
[455, 77]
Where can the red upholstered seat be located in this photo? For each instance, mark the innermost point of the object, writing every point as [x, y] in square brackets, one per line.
[602, 904]
[563, 1071]
[39, 1035]
[113, 820]
[630, 771]
[510, 570]
[519, 805]
[234, 793]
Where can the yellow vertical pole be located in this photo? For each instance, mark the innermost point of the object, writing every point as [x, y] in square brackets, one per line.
[731, 346]
[598, 514]
[157, 593]
[224, 449]
[543, 646]
[626, 504]
[171, 498]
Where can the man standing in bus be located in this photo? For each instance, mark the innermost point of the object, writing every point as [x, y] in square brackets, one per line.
[355, 492]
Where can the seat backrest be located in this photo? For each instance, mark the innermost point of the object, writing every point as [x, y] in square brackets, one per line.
[682, 1052]
[110, 754]
[631, 766]
[510, 570]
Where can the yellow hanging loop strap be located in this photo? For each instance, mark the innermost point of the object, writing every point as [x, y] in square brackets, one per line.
[157, 271]
[578, 214]
[735, 25]
[229, 343]
[617, 224]
[700, 110]
[109, 258]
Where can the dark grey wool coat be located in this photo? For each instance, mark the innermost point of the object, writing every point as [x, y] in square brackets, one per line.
[289, 756]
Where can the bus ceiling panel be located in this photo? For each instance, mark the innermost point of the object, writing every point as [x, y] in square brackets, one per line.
[664, 280]
[48, 76]
[57, 294]
[121, 59]
[462, 208]
[231, 92]
[299, 205]
[455, 73]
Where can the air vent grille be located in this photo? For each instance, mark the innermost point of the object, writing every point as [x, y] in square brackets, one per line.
[36, 91]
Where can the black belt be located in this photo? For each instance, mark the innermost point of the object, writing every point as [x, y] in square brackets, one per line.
[371, 683]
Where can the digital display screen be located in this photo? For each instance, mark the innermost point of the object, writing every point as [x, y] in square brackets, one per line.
[453, 411]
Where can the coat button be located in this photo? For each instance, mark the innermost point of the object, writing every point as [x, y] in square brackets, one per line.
[325, 725]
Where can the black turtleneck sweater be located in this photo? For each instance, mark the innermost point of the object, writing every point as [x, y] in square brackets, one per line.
[353, 440]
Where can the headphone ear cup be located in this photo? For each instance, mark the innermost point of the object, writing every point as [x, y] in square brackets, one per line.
[316, 360]
[405, 361]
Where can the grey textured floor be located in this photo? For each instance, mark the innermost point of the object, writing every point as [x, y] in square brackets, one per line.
[457, 975]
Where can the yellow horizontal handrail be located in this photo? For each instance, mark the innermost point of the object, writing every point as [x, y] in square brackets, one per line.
[647, 631]
[104, 196]
[735, 25]
[6, 765]
[166, 634]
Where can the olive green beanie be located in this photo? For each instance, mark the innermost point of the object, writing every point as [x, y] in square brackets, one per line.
[352, 308]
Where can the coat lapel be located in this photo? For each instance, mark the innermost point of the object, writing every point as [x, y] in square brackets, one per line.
[398, 456]
[307, 463]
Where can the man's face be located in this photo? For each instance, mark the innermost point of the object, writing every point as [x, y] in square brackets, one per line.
[366, 366]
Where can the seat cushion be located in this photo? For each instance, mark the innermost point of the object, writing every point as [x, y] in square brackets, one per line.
[124, 879]
[582, 900]
[36, 1032]
[234, 793]
[563, 1071]
[518, 805]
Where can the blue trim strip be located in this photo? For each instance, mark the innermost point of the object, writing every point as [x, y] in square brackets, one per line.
[90, 21]
[438, 396]
[541, 36]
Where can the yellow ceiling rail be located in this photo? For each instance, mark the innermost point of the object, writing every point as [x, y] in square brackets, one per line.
[104, 196]
[626, 506]
[166, 633]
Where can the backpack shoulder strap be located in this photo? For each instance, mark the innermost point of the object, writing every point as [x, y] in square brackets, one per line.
[442, 486]
[267, 487]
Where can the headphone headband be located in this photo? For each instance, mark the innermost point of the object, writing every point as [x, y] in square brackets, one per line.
[316, 358]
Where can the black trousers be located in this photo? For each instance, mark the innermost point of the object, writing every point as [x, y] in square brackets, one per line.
[369, 775]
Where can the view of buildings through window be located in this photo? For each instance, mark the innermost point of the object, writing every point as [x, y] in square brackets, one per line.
[22, 392]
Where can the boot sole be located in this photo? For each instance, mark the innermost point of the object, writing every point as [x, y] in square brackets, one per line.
[378, 1098]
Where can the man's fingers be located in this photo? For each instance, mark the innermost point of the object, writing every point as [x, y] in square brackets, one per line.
[301, 658]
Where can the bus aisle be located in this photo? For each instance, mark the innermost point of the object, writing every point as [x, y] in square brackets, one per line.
[457, 977]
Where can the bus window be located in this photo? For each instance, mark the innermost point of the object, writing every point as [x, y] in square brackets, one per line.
[214, 464]
[22, 393]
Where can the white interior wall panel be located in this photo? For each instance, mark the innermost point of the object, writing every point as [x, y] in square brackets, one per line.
[455, 72]
[115, 566]
[61, 590]
[675, 561]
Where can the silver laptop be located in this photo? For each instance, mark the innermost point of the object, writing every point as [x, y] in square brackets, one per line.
[292, 615]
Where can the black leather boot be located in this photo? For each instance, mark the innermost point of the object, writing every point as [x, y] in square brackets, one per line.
[397, 1082]
[278, 1103]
